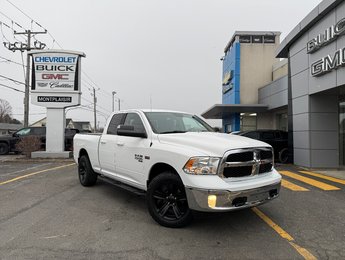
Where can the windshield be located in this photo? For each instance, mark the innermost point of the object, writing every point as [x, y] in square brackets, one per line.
[170, 122]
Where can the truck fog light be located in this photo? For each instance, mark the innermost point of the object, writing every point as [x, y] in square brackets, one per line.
[212, 201]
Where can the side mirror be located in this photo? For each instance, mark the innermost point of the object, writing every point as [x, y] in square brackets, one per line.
[15, 135]
[128, 130]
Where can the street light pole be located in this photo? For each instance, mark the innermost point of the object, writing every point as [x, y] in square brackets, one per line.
[113, 93]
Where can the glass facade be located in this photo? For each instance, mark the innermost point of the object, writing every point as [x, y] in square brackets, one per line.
[248, 121]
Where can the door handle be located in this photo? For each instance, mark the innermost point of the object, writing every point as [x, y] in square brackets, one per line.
[120, 144]
[103, 142]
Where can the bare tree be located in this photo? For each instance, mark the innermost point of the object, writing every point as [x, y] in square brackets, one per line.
[5, 111]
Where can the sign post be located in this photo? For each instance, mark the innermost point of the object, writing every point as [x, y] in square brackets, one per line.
[55, 85]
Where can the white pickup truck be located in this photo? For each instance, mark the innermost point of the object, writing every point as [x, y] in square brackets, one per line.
[180, 162]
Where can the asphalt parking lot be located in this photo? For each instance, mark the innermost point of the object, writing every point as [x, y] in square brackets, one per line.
[46, 214]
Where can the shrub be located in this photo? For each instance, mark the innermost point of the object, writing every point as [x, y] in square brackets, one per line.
[28, 145]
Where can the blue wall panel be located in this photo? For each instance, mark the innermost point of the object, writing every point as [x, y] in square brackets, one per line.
[232, 63]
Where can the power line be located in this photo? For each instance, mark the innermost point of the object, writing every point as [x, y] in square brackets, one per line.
[8, 60]
[9, 27]
[2, 32]
[12, 21]
[43, 113]
[89, 109]
[12, 88]
[86, 100]
[33, 21]
[90, 79]
[27, 47]
[54, 41]
[15, 81]
[91, 103]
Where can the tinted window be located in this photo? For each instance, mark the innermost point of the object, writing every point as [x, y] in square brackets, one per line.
[254, 135]
[171, 122]
[267, 135]
[257, 39]
[70, 131]
[114, 123]
[284, 135]
[38, 131]
[269, 39]
[244, 38]
[24, 131]
[134, 120]
[277, 135]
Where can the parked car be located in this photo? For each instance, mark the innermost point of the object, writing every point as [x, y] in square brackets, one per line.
[8, 142]
[278, 139]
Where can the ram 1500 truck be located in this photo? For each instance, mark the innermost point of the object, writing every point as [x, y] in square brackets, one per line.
[180, 162]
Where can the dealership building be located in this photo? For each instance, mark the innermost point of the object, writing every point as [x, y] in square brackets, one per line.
[297, 85]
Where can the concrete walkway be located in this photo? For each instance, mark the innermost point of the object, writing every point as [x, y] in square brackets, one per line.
[340, 174]
[336, 173]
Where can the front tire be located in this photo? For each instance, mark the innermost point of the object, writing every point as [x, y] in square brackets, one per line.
[87, 176]
[167, 201]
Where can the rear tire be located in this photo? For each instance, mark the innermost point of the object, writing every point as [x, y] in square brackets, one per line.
[87, 176]
[4, 149]
[284, 155]
[167, 201]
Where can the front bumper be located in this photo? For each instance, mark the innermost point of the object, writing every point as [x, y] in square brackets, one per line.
[198, 199]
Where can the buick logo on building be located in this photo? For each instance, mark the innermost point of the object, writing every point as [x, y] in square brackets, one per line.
[327, 37]
[332, 61]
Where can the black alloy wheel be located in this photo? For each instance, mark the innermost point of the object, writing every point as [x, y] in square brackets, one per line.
[167, 201]
[87, 176]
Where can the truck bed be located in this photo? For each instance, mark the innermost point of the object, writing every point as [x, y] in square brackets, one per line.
[89, 142]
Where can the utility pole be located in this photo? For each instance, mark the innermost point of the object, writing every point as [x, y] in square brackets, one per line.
[94, 109]
[19, 46]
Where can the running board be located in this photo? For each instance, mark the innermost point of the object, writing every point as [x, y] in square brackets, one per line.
[124, 186]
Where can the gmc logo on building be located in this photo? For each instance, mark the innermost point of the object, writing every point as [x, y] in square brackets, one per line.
[54, 76]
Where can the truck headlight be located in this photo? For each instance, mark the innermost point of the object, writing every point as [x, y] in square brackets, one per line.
[202, 165]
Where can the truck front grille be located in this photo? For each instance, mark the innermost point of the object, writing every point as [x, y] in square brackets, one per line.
[246, 162]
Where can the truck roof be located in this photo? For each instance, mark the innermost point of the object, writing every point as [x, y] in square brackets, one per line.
[151, 110]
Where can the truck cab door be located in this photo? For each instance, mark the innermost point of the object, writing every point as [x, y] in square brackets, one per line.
[107, 146]
[132, 152]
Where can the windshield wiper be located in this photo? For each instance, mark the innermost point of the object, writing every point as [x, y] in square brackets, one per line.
[173, 132]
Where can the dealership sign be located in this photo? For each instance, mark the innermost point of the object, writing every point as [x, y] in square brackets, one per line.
[55, 79]
[329, 62]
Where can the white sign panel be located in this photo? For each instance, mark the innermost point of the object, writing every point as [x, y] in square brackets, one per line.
[55, 78]
[55, 72]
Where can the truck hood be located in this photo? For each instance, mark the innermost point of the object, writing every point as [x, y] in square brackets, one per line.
[208, 143]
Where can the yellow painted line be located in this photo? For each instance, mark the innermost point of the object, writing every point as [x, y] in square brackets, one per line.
[302, 251]
[34, 173]
[292, 186]
[324, 177]
[318, 184]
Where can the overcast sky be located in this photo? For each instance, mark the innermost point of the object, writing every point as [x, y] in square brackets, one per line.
[164, 52]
